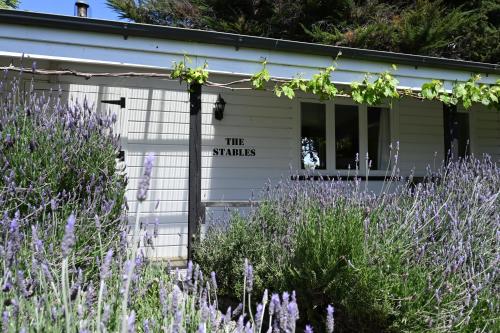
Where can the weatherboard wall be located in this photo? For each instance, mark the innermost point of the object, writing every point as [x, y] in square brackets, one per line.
[156, 119]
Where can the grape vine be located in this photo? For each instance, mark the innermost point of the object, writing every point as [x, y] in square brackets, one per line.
[382, 89]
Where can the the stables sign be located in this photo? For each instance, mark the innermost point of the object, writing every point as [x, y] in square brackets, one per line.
[234, 147]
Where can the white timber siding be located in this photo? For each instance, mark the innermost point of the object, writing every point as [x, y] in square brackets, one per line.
[421, 135]
[156, 119]
[485, 132]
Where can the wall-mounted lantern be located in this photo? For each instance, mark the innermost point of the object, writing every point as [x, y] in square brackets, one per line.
[220, 104]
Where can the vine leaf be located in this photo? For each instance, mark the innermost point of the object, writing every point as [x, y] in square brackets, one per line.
[260, 79]
[373, 93]
[183, 73]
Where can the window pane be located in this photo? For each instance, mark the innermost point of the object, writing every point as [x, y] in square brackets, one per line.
[461, 139]
[456, 132]
[379, 137]
[313, 136]
[346, 136]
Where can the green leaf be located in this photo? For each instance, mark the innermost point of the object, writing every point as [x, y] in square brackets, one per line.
[288, 92]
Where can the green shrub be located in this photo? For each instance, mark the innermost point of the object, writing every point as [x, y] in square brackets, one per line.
[422, 258]
[57, 159]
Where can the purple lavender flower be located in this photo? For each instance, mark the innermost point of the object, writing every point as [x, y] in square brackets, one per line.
[90, 297]
[213, 280]
[106, 314]
[248, 328]
[308, 329]
[275, 304]
[163, 299]
[330, 322]
[156, 227]
[205, 311]
[189, 271]
[293, 316]
[8, 140]
[228, 316]
[36, 241]
[106, 265]
[176, 294]
[131, 322]
[5, 321]
[146, 178]
[176, 325]
[69, 236]
[265, 296]
[21, 283]
[145, 326]
[249, 278]
[214, 321]
[238, 310]
[258, 317]
[240, 324]
[283, 314]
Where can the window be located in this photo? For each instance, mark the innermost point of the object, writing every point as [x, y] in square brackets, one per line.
[346, 136]
[379, 137]
[456, 132]
[332, 135]
[313, 136]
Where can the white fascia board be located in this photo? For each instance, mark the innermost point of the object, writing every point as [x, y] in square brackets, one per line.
[141, 52]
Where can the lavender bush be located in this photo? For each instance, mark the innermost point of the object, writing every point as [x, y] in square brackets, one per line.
[56, 159]
[66, 264]
[416, 258]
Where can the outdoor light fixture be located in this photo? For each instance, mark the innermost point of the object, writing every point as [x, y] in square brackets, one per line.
[220, 104]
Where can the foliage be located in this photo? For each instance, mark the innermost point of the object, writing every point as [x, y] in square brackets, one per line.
[320, 85]
[467, 30]
[57, 159]
[56, 273]
[417, 258]
[260, 78]
[463, 93]
[373, 93]
[383, 89]
[164, 12]
[9, 4]
[182, 72]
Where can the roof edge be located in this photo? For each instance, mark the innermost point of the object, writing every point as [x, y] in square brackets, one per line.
[229, 39]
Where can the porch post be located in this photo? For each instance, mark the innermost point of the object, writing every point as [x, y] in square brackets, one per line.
[194, 201]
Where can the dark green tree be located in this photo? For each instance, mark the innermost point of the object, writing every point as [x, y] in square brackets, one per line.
[9, 4]
[458, 29]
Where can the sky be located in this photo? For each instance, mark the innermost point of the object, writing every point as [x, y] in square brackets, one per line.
[98, 8]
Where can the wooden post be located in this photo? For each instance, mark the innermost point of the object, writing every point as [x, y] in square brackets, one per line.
[194, 203]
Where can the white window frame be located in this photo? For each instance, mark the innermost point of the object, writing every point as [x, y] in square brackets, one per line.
[331, 169]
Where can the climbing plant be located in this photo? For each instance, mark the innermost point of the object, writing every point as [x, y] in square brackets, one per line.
[182, 72]
[374, 89]
[383, 88]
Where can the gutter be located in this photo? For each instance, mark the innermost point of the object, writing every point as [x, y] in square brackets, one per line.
[127, 29]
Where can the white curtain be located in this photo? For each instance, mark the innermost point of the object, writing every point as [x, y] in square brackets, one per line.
[384, 140]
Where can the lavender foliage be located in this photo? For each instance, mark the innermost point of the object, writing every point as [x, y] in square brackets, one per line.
[57, 156]
[417, 256]
[54, 201]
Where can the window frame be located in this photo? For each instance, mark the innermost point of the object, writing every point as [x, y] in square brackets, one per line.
[331, 169]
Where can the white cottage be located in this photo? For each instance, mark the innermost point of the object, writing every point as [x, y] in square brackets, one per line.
[260, 137]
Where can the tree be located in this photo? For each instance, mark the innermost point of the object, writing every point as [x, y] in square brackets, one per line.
[9, 4]
[450, 28]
